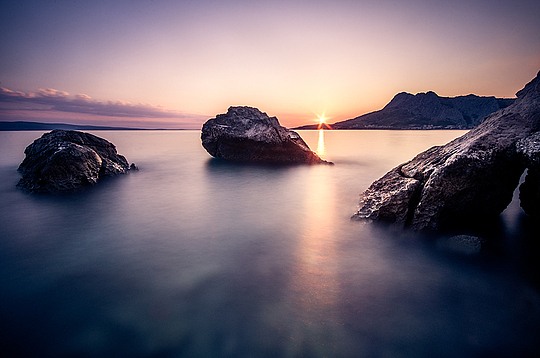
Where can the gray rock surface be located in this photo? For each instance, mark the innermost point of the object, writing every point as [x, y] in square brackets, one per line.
[469, 179]
[245, 134]
[63, 160]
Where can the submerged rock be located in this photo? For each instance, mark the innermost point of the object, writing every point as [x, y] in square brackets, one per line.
[469, 179]
[461, 244]
[68, 160]
[245, 134]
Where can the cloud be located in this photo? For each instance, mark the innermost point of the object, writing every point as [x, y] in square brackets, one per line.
[52, 93]
[50, 99]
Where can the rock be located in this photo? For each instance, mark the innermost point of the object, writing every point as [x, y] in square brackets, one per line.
[468, 180]
[529, 191]
[461, 244]
[68, 160]
[529, 148]
[245, 134]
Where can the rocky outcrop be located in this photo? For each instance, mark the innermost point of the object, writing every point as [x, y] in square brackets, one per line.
[529, 191]
[427, 111]
[467, 180]
[62, 160]
[245, 134]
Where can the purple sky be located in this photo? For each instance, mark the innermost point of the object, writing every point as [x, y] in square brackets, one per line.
[175, 64]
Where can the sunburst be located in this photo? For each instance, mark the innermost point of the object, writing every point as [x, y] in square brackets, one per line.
[322, 119]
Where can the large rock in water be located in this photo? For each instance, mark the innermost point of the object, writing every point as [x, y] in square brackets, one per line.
[468, 180]
[68, 160]
[245, 134]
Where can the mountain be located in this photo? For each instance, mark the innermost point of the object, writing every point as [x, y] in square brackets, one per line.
[426, 111]
[37, 126]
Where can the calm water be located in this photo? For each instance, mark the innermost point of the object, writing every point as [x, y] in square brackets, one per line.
[192, 257]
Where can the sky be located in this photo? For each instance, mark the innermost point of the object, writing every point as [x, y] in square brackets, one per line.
[175, 64]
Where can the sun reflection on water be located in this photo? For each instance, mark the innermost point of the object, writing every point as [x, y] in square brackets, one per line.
[315, 251]
[321, 150]
[314, 280]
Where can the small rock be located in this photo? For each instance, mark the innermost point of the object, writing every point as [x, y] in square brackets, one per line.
[63, 160]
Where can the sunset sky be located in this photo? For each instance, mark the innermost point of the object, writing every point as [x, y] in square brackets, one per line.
[174, 64]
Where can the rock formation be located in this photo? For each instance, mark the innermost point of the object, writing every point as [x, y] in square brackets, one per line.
[529, 191]
[469, 179]
[245, 134]
[68, 160]
[427, 111]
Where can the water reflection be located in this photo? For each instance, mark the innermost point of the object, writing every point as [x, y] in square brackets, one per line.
[316, 254]
[314, 277]
[321, 150]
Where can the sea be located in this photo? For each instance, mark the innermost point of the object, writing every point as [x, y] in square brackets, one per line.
[193, 256]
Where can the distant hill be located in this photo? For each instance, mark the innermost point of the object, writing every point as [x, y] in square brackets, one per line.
[37, 126]
[426, 111]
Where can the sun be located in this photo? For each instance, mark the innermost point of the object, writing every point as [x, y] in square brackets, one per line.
[322, 121]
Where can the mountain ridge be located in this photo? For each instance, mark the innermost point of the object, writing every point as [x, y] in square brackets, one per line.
[426, 110]
[36, 126]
